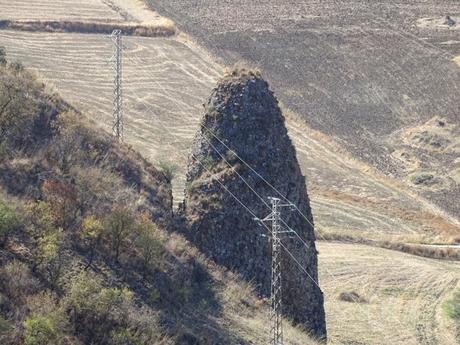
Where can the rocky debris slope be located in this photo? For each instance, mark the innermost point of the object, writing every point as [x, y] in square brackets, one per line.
[243, 113]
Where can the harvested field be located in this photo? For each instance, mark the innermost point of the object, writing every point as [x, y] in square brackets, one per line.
[57, 10]
[358, 70]
[166, 83]
[403, 295]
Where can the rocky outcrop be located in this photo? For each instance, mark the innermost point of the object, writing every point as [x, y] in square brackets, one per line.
[244, 114]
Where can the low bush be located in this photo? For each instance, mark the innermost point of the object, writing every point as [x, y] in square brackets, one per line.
[452, 306]
[352, 297]
[40, 330]
[17, 282]
[168, 169]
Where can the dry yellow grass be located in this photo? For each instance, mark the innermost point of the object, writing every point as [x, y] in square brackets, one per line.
[404, 295]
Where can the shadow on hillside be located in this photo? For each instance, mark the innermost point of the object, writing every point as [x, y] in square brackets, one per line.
[185, 296]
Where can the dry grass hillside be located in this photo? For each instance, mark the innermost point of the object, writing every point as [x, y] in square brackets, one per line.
[89, 252]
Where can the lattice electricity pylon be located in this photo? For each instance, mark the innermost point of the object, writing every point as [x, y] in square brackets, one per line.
[117, 127]
[276, 302]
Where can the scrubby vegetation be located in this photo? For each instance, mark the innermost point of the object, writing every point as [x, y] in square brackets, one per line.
[70, 197]
[452, 307]
[88, 252]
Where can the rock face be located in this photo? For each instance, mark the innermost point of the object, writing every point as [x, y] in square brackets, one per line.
[243, 113]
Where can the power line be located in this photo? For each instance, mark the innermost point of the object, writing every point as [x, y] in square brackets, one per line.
[276, 296]
[117, 126]
[242, 204]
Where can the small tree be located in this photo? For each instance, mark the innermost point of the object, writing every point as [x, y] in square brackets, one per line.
[47, 241]
[119, 225]
[8, 222]
[51, 256]
[149, 242]
[91, 233]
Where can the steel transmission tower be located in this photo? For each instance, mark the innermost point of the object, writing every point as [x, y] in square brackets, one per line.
[276, 303]
[117, 87]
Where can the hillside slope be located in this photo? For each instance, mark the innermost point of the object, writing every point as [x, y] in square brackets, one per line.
[88, 252]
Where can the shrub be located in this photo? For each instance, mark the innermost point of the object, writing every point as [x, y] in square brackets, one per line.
[352, 297]
[17, 282]
[99, 313]
[119, 225]
[8, 222]
[5, 328]
[91, 233]
[40, 330]
[98, 189]
[18, 107]
[50, 256]
[62, 197]
[123, 336]
[47, 241]
[168, 169]
[40, 219]
[452, 306]
[80, 292]
[150, 243]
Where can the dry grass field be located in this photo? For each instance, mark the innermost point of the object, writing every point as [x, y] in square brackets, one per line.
[166, 82]
[57, 10]
[401, 296]
[359, 71]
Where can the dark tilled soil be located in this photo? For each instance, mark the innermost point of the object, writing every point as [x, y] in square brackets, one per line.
[356, 70]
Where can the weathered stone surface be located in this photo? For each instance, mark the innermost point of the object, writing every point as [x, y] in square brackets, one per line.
[244, 114]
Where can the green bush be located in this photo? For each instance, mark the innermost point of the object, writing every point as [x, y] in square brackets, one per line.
[92, 230]
[452, 306]
[8, 222]
[40, 330]
[168, 169]
[99, 313]
[47, 241]
[150, 243]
